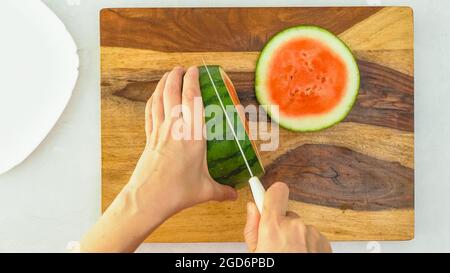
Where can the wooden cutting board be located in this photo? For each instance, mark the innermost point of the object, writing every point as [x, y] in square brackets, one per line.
[354, 181]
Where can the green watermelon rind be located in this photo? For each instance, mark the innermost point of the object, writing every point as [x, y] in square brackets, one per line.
[335, 43]
[225, 162]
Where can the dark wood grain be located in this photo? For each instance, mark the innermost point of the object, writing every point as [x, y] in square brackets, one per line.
[386, 96]
[339, 177]
[216, 29]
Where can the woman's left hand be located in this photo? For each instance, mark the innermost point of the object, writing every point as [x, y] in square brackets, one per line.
[173, 167]
[171, 174]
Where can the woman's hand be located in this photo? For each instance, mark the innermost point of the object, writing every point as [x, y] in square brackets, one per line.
[173, 170]
[279, 230]
[171, 174]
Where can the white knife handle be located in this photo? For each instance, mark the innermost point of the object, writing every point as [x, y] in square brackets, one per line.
[258, 192]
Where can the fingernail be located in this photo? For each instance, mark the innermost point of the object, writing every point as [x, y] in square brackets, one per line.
[178, 68]
[192, 69]
[250, 211]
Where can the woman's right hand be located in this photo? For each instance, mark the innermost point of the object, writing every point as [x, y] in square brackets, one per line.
[279, 230]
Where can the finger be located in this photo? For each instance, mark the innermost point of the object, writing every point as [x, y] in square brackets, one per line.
[222, 193]
[251, 227]
[157, 103]
[311, 239]
[172, 92]
[148, 117]
[191, 90]
[323, 244]
[276, 200]
[292, 214]
[315, 241]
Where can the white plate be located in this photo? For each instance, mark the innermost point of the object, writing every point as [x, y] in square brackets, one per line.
[38, 71]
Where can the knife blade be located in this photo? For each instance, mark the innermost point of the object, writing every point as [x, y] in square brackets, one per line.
[254, 182]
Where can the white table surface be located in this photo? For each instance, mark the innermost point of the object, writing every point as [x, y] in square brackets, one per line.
[54, 196]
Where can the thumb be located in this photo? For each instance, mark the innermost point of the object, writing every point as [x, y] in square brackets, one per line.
[222, 192]
[276, 200]
[251, 227]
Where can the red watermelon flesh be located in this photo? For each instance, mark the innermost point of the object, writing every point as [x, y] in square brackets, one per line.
[306, 77]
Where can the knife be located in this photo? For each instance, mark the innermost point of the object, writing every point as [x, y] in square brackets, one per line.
[254, 182]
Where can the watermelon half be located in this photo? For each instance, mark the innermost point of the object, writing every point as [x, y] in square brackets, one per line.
[225, 162]
[310, 74]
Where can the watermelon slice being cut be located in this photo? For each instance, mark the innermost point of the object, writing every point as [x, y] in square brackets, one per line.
[310, 74]
[225, 162]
